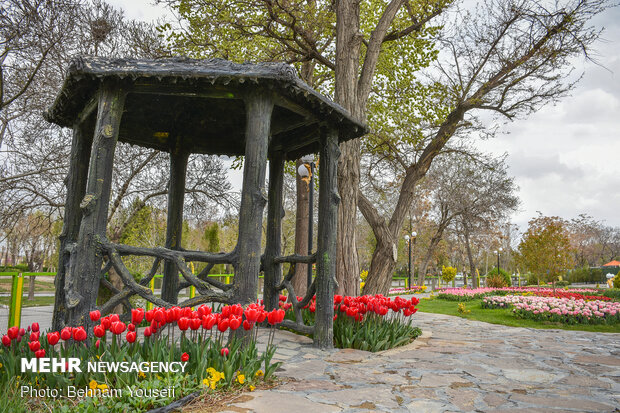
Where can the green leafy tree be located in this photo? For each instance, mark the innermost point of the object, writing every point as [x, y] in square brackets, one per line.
[350, 50]
[546, 249]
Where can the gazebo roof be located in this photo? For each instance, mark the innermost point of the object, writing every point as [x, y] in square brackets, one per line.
[201, 103]
[612, 264]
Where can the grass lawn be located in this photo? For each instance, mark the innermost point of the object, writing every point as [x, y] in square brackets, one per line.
[39, 286]
[504, 316]
[37, 301]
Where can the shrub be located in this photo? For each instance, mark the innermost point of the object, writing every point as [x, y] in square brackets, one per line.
[503, 273]
[617, 280]
[448, 273]
[585, 275]
[562, 283]
[613, 293]
[496, 281]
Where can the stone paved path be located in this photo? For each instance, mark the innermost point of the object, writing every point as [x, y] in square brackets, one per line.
[457, 365]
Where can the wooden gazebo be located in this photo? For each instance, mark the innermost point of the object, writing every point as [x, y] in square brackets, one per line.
[183, 106]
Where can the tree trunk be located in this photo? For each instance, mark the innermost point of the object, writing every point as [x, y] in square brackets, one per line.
[348, 44]
[299, 281]
[472, 266]
[273, 245]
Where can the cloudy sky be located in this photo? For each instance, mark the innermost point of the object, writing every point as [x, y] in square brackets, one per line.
[565, 158]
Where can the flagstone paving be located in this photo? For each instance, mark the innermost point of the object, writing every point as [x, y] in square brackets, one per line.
[457, 365]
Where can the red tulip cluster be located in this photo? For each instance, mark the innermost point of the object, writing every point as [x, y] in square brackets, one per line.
[358, 307]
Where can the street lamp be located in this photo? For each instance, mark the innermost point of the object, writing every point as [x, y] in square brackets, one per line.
[497, 252]
[410, 268]
[306, 172]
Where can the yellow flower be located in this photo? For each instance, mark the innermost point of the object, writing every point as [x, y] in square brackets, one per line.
[141, 374]
[92, 384]
[259, 373]
[241, 379]
[252, 388]
[0, 365]
[103, 387]
[205, 382]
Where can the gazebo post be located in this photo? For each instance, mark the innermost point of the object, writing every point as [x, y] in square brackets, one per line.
[326, 248]
[82, 280]
[259, 105]
[75, 183]
[174, 223]
[273, 247]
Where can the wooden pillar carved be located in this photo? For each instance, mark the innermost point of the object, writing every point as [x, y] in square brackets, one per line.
[273, 247]
[75, 183]
[174, 226]
[327, 235]
[259, 106]
[82, 279]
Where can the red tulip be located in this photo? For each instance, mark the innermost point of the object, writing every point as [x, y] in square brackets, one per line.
[106, 323]
[235, 323]
[170, 315]
[147, 332]
[131, 337]
[99, 331]
[34, 345]
[186, 312]
[282, 297]
[131, 327]
[13, 332]
[97, 343]
[6, 341]
[183, 323]
[34, 336]
[114, 318]
[262, 316]
[137, 315]
[195, 323]
[35, 327]
[22, 332]
[176, 311]
[52, 338]
[79, 334]
[118, 327]
[223, 324]
[247, 325]
[159, 316]
[224, 352]
[65, 333]
[95, 315]
[39, 353]
[184, 357]
[337, 299]
[251, 314]
[208, 321]
[149, 316]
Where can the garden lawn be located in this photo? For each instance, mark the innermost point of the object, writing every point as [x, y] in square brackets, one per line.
[503, 316]
[35, 302]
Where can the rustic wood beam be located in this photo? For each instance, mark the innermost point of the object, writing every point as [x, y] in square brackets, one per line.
[168, 254]
[259, 107]
[174, 225]
[75, 183]
[304, 259]
[82, 286]
[326, 248]
[273, 246]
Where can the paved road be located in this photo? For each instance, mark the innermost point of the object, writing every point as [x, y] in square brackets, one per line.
[457, 366]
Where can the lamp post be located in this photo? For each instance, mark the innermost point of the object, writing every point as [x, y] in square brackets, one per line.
[498, 252]
[306, 172]
[410, 268]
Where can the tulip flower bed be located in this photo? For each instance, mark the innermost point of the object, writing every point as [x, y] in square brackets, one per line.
[465, 294]
[415, 289]
[213, 363]
[562, 310]
[370, 323]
